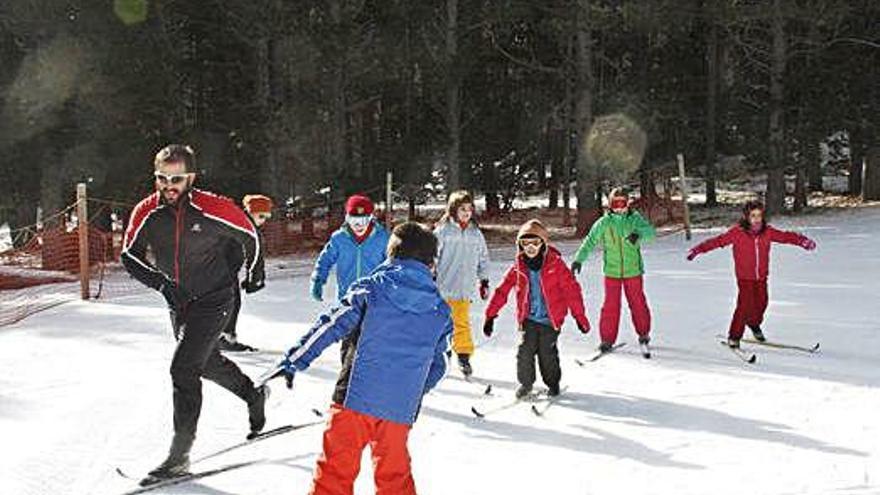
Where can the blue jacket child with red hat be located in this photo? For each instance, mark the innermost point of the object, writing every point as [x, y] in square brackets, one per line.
[355, 249]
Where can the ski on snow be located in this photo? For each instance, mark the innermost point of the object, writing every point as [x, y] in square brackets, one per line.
[533, 398]
[484, 385]
[780, 345]
[166, 482]
[148, 483]
[539, 411]
[748, 357]
[598, 354]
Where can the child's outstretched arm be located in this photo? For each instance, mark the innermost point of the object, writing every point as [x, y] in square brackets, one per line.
[438, 365]
[716, 242]
[331, 327]
[483, 259]
[788, 237]
[643, 228]
[499, 296]
[575, 300]
[590, 241]
[323, 265]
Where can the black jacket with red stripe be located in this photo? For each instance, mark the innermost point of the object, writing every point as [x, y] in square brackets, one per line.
[190, 243]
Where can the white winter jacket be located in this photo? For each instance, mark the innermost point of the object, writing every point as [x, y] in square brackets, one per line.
[462, 260]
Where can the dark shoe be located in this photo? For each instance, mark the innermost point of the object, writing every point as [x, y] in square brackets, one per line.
[644, 339]
[605, 347]
[227, 344]
[177, 463]
[523, 391]
[257, 409]
[553, 390]
[733, 343]
[464, 364]
[759, 335]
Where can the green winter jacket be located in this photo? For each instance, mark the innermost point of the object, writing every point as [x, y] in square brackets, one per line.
[622, 259]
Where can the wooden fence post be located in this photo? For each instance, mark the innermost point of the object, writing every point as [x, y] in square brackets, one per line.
[82, 218]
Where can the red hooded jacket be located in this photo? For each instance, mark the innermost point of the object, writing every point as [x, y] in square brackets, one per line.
[751, 252]
[561, 291]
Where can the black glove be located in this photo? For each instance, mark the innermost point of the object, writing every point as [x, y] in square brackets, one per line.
[174, 295]
[489, 327]
[251, 286]
[484, 289]
[633, 238]
[584, 329]
[575, 268]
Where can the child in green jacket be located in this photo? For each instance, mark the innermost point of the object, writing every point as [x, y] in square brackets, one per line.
[620, 232]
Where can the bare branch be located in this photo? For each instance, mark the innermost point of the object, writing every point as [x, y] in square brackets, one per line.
[533, 64]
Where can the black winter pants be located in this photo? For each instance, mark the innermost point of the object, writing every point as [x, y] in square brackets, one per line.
[540, 339]
[232, 322]
[196, 329]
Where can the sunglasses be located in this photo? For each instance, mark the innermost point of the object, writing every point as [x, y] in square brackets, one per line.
[530, 242]
[174, 179]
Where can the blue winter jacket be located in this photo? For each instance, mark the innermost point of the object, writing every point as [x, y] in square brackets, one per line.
[353, 260]
[404, 328]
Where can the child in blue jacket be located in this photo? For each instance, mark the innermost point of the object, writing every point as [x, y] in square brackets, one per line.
[355, 249]
[399, 326]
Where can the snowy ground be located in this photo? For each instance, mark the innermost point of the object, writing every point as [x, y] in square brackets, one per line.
[84, 388]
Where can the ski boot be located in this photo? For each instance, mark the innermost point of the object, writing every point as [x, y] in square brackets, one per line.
[553, 390]
[644, 340]
[257, 411]
[605, 347]
[175, 465]
[464, 364]
[757, 333]
[230, 344]
[733, 343]
[523, 391]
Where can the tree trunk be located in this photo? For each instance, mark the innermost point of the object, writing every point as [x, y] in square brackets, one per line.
[587, 180]
[871, 186]
[490, 188]
[453, 97]
[337, 95]
[814, 164]
[800, 188]
[856, 162]
[775, 200]
[712, 56]
[267, 92]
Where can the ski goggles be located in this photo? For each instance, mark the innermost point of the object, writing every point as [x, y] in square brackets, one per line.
[358, 222]
[174, 179]
[531, 241]
[619, 203]
[263, 216]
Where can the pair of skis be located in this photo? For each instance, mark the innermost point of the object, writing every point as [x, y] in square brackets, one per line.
[595, 356]
[539, 401]
[752, 358]
[149, 483]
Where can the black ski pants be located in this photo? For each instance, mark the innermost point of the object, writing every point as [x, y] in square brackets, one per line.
[196, 328]
[537, 339]
[232, 322]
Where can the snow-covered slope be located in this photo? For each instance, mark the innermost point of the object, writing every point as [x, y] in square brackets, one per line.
[85, 388]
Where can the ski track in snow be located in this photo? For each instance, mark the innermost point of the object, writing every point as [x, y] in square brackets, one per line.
[85, 388]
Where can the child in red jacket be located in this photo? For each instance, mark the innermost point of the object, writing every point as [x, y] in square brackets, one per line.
[545, 292]
[751, 239]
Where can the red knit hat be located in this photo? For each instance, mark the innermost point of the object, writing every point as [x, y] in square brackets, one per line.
[359, 204]
[257, 203]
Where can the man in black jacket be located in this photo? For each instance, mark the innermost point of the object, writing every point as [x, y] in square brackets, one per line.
[187, 231]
